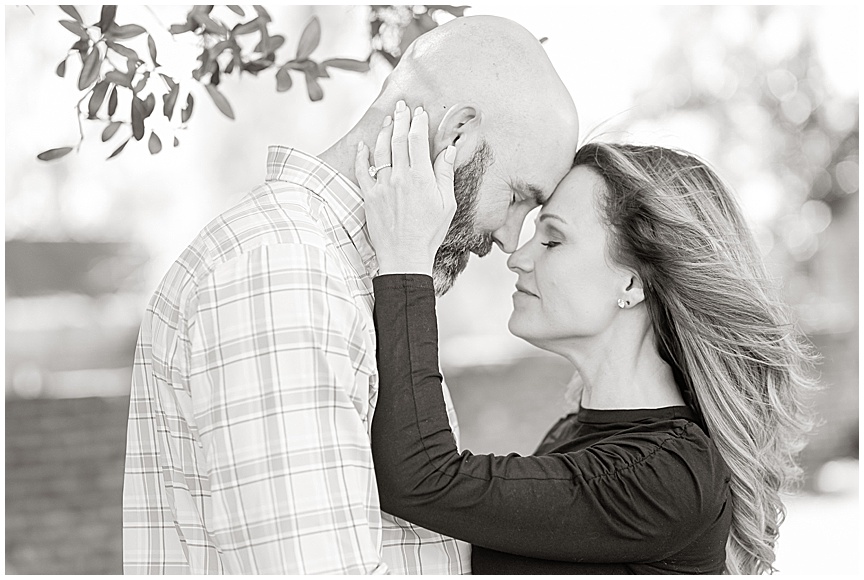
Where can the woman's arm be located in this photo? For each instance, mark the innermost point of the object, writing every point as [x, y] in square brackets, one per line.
[541, 507]
[553, 507]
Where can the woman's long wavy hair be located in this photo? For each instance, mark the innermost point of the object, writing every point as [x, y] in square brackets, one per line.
[730, 342]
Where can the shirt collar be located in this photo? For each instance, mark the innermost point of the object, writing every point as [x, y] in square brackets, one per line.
[343, 197]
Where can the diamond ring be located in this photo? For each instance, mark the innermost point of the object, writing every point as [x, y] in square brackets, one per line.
[373, 171]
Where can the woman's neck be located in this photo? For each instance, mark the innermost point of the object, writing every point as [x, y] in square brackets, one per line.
[623, 370]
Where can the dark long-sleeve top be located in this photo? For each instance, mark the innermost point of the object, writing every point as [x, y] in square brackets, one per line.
[608, 491]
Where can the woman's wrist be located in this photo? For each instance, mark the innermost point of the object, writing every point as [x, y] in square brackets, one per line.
[404, 267]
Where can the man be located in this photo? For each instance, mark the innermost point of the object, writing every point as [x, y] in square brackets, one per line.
[254, 381]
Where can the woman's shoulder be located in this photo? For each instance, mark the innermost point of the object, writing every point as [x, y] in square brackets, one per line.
[672, 450]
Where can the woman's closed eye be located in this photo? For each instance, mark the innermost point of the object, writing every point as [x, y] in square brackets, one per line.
[551, 244]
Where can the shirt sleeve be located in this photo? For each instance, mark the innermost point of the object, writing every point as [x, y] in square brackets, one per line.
[278, 404]
[580, 506]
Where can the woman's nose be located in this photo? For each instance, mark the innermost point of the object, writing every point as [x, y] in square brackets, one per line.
[520, 260]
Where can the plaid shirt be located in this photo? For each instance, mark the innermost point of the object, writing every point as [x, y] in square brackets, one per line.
[253, 389]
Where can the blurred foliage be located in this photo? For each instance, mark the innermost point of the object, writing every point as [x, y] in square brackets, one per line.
[755, 83]
[230, 41]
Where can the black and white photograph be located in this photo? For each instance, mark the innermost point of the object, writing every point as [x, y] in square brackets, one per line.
[500, 288]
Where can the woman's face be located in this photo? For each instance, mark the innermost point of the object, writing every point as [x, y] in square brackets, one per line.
[568, 287]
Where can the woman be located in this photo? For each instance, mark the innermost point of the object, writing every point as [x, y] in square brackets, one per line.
[643, 274]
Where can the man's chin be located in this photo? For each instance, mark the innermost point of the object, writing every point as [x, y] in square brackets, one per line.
[449, 263]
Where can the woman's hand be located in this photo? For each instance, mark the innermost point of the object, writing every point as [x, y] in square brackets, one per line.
[409, 206]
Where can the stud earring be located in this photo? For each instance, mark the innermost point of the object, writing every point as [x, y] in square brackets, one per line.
[622, 303]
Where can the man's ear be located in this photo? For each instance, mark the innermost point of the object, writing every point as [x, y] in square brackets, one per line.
[460, 127]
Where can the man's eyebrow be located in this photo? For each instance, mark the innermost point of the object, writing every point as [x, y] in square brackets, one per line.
[529, 189]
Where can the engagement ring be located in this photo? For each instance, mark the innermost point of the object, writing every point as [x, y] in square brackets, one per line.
[373, 171]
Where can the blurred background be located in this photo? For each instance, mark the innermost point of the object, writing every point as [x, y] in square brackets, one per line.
[768, 94]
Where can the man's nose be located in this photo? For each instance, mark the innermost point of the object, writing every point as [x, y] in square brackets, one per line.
[507, 237]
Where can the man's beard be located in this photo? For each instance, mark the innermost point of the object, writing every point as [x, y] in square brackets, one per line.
[462, 237]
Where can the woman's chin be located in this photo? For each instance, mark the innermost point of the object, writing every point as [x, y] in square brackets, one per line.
[517, 329]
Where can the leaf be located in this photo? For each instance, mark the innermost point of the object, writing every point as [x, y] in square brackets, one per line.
[119, 149]
[75, 28]
[347, 64]
[169, 101]
[71, 11]
[107, 17]
[316, 93]
[222, 46]
[262, 13]
[181, 28]
[137, 118]
[256, 66]
[209, 24]
[275, 42]
[123, 51]
[305, 65]
[54, 153]
[221, 102]
[544, 39]
[187, 111]
[112, 101]
[82, 46]
[283, 80]
[61, 68]
[309, 39]
[97, 97]
[90, 70]
[149, 105]
[151, 45]
[154, 144]
[176, 142]
[118, 78]
[236, 10]
[168, 80]
[248, 27]
[125, 31]
[110, 130]
[269, 44]
[142, 82]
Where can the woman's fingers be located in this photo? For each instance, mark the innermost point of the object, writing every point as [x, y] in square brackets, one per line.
[444, 178]
[418, 139]
[361, 168]
[399, 141]
[382, 147]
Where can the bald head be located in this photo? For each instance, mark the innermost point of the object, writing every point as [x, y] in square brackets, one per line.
[489, 60]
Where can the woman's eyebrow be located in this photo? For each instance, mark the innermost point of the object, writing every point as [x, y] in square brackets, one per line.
[550, 216]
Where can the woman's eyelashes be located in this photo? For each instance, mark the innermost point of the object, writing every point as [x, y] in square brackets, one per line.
[550, 244]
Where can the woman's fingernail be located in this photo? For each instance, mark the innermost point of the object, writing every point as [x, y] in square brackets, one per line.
[450, 154]
[359, 146]
[400, 106]
[418, 111]
[387, 120]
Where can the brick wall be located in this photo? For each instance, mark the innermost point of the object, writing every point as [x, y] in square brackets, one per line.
[64, 476]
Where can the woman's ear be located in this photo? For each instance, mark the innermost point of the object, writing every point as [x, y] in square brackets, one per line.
[634, 293]
[459, 126]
